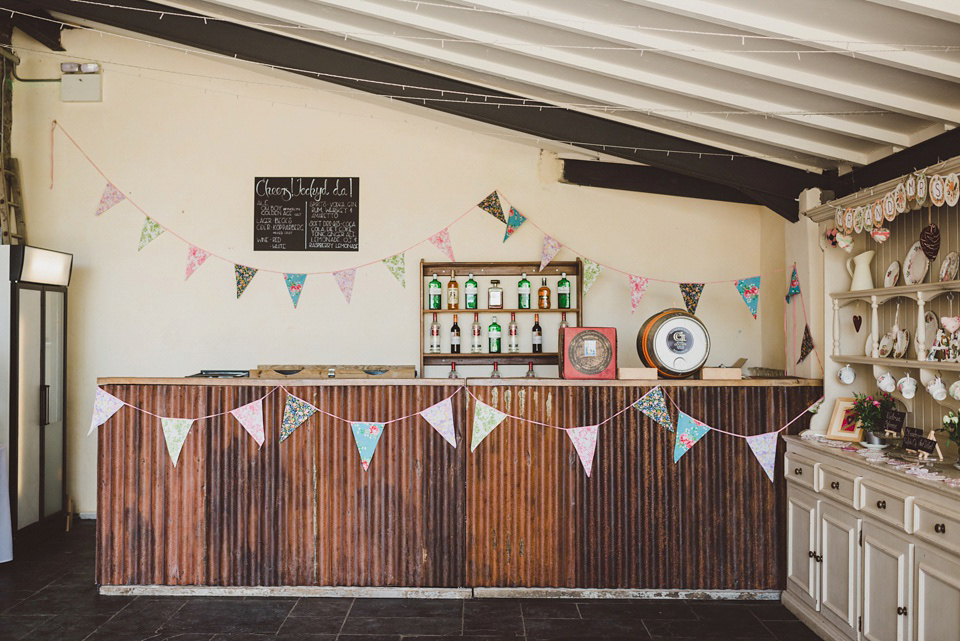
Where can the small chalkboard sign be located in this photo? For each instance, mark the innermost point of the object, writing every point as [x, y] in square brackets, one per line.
[306, 214]
[893, 421]
[913, 439]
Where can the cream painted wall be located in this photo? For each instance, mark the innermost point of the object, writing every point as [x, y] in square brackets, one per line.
[186, 148]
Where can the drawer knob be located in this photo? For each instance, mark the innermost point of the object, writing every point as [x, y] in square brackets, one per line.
[811, 554]
[902, 611]
[882, 505]
[835, 485]
[818, 558]
[798, 471]
[940, 528]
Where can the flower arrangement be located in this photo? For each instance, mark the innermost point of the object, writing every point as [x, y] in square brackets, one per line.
[951, 425]
[870, 410]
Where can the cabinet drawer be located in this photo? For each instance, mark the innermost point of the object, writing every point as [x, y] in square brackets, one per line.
[838, 485]
[886, 504]
[936, 525]
[800, 470]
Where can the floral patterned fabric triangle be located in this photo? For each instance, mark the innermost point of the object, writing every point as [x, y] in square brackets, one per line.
[485, 420]
[585, 442]
[764, 447]
[251, 418]
[367, 435]
[440, 417]
[794, 284]
[345, 279]
[105, 405]
[397, 266]
[691, 295]
[195, 258]
[295, 286]
[549, 250]
[243, 275]
[491, 205]
[654, 405]
[638, 287]
[441, 240]
[807, 345]
[513, 223]
[151, 229]
[295, 412]
[111, 196]
[175, 432]
[591, 272]
[689, 431]
[749, 289]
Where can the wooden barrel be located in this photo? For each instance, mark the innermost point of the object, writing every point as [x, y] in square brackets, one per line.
[675, 342]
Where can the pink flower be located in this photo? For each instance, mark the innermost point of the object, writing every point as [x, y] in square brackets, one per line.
[877, 403]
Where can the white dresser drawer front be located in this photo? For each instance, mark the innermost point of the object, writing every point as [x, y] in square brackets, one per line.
[800, 470]
[886, 504]
[838, 484]
[936, 525]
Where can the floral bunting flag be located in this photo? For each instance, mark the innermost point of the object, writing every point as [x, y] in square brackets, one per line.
[654, 405]
[689, 431]
[295, 286]
[794, 284]
[151, 229]
[345, 278]
[638, 287]
[485, 420]
[585, 442]
[691, 295]
[175, 432]
[813, 409]
[367, 435]
[244, 275]
[591, 271]
[105, 405]
[397, 266]
[491, 205]
[440, 416]
[807, 345]
[295, 412]
[441, 240]
[251, 418]
[111, 196]
[749, 289]
[195, 258]
[550, 249]
[513, 223]
[764, 447]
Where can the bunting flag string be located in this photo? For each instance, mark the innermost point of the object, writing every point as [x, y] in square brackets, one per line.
[485, 420]
[591, 272]
[653, 405]
[149, 232]
[175, 432]
[295, 286]
[794, 284]
[441, 240]
[764, 447]
[105, 405]
[689, 432]
[440, 417]
[250, 417]
[243, 275]
[513, 223]
[295, 412]
[345, 280]
[749, 289]
[691, 295]
[195, 258]
[366, 435]
[638, 287]
[491, 204]
[397, 266]
[807, 345]
[111, 196]
[585, 442]
[549, 250]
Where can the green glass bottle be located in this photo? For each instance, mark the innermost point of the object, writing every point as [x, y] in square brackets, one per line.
[563, 292]
[493, 336]
[434, 294]
[470, 291]
[523, 293]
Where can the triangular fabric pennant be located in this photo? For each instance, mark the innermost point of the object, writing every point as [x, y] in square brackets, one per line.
[105, 405]
[585, 442]
[251, 418]
[550, 249]
[638, 287]
[591, 272]
[513, 223]
[813, 409]
[807, 345]
[689, 431]
[764, 447]
[111, 196]
[485, 420]
[691, 295]
[794, 284]
[397, 266]
[440, 416]
[295, 286]
[345, 278]
[654, 405]
[244, 275]
[441, 240]
[749, 289]
[175, 432]
[295, 412]
[151, 229]
[491, 205]
[367, 435]
[195, 258]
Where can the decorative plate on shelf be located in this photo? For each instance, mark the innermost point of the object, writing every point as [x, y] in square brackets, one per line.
[911, 187]
[878, 213]
[951, 187]
[937, 195]
[892, 276]
[930, 326]
[868, 348]
[889, 207]
[901, 343]
[886, 345]
[949, 267]
[915, 265]
[900, 198]
[858, 220]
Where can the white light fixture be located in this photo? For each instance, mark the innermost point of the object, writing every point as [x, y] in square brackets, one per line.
[70, 67]
[80, 67]
[90, 67]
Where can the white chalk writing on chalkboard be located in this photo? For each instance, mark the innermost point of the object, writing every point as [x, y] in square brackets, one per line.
[306, 214]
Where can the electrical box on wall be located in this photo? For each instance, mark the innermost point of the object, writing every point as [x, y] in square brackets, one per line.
[81, 87]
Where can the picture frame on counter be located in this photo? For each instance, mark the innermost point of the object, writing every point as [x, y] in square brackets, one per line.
[843, 426]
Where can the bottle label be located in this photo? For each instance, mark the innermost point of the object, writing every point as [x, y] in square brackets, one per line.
[513, 330]
[537, 339]
[453, 296]
[563, 289]
[494, 334]
[455, 340]
[434, 288]
[435, 330]
[545, 301]
[471, 290]
[496, 298]
[524, 289]
[476, 330]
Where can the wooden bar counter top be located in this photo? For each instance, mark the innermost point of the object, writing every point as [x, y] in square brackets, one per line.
[518, 511]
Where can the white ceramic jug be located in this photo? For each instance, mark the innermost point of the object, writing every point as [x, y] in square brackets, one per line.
[859, 268]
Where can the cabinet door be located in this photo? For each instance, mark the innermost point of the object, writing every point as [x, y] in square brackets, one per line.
[802, 568]
[887, 582]
[839, 555]
[937, 580]
[54, 338]
[29, 381]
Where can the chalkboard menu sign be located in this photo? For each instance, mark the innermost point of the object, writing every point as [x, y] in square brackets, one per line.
[913, 439]
[306, 214]
[893, 421]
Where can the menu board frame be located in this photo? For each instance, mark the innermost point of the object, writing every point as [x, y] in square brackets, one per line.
[306, 213]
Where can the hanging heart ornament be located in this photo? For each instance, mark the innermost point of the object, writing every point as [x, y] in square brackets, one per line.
[930, 241]
[857, 322]
[880, 234]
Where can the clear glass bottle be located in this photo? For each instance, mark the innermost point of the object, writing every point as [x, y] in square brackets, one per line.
[513, 339]
[470, 290]
[530, 372]
[537, 335]
[496, 371]
[453, 371]
[493, 337]
[495, 295]
[455, 337]
[563, 321]
[434, 335]
[563, 292]
[476, 338]
[434, 293]
[523, 293]
[453, 292]
[543, 296]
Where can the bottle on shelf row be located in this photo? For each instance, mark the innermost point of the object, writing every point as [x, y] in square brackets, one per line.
[496, 371]
[493, 335]
[495, 293]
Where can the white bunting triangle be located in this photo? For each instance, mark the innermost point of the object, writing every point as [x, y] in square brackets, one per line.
[440, 416]
[175, 432]
[585, 441]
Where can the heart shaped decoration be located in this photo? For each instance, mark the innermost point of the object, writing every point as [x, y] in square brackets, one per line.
[857, 322]
[880, 234]
[950, 323]
[930, 241]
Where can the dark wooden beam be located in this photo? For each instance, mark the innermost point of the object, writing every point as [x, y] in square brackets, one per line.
[36, 23]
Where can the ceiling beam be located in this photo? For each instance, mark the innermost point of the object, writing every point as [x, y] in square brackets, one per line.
[43, 30]
[605, 136]
[940, 9]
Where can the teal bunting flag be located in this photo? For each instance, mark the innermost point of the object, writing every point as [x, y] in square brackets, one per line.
[513, 223]
[295, 286]
[689, 431]
[367, 435]
[794, 284]
[749, 289]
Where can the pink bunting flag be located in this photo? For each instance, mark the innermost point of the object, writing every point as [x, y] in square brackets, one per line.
[111, 196]
[638, 287]
[251, 418]
[440, 416]
[105, 405]
[764, 447]
[195, 258]
[585, 442]
[345, 278]
[441, 240]
[550, 249]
